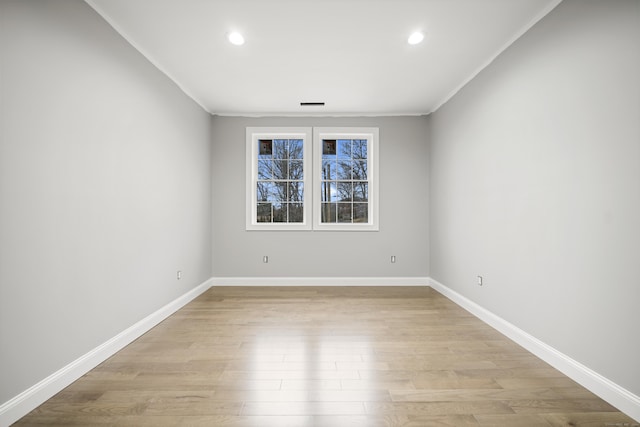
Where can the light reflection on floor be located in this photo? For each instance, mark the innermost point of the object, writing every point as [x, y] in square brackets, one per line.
[311, 370]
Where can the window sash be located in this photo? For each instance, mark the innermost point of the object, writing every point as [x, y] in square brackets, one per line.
[279, 188]
[339, 195]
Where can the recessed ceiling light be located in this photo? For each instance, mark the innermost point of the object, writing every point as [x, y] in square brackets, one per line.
[415, 37]
[235, 38]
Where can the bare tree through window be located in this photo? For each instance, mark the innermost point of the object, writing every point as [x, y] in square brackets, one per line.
[280, 186]
[344, 184]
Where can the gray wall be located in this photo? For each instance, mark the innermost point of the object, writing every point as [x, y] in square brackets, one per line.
[104, 188]
[535, 184]
[403, 210]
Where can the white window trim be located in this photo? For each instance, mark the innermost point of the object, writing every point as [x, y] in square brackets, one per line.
[312, 181]
[371, 134]
[252, 136]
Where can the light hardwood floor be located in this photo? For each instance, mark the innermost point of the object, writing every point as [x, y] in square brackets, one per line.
[338, 356]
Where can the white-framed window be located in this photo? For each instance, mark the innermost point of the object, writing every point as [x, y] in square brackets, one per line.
[292, 186]
[279, 179]
[345, 179]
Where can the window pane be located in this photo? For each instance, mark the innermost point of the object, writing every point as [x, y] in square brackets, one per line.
[344, 212]
[265, 169]
[329, 192]
[295, 149]
[360, 212]
[360, 170]
[329, 147]
[282, 194]
[296, 212]
[280, 148]
[296, 168]
[344, 169]
[296, 193]
[345, 191]
[344, 148]
[329, 168]
[360, 149]
[266, 192]
[328, 212]
[360, 191]
[280, 169]
[264, 212]
[265, 148]
[279, 212]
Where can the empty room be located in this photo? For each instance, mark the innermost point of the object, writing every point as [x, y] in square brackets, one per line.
[320, 213]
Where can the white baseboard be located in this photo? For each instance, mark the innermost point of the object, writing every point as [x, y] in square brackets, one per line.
[320, 281]
[14, 409]
[606, 389]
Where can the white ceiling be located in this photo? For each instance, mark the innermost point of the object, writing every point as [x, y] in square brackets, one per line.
[351, 54]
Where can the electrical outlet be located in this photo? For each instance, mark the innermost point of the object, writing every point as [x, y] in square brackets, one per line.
[479, 280]
[179, 275]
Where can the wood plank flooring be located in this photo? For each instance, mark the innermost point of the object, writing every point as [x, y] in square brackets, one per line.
[337, 356]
